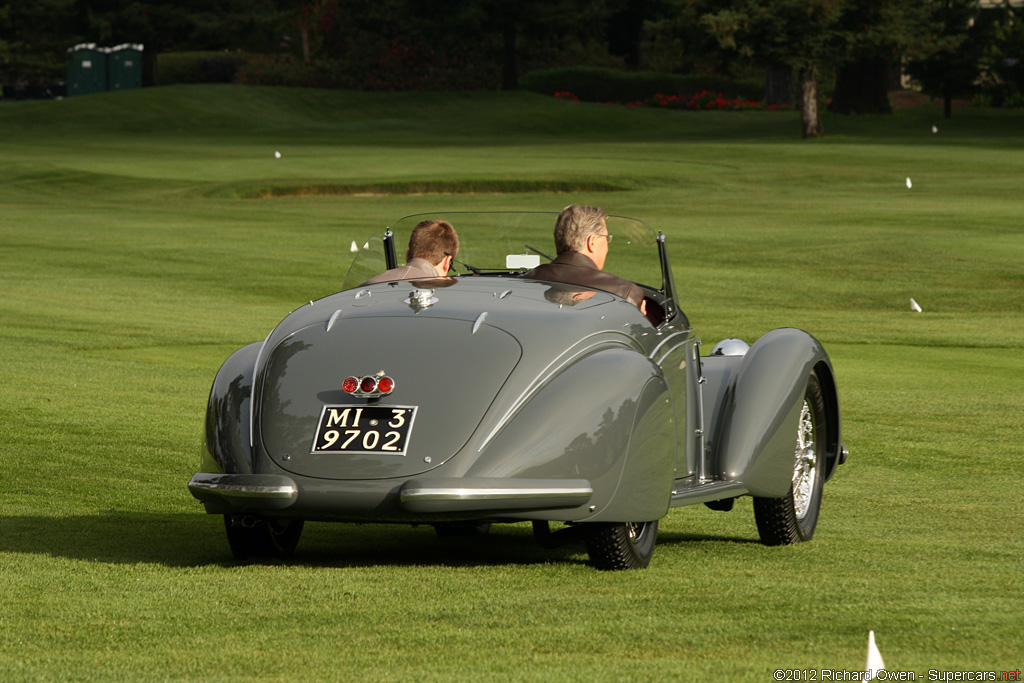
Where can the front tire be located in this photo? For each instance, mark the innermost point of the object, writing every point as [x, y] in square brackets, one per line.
[620, 545]
[793, 518]
[251, 537]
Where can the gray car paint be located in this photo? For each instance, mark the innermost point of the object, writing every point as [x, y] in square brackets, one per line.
[574, 413]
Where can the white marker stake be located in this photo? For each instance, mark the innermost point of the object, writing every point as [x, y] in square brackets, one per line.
[277, 155]
[874, 661]
[909, 184]
[935, 129]
[354, 248]
[914, 306]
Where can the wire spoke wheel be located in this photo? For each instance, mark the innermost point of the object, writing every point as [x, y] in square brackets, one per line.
[805, 473]
[793, 518]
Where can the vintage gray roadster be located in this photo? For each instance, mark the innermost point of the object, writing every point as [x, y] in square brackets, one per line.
[487, 397]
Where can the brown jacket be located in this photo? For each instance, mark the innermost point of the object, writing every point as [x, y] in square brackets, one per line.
[577, 269]
[415, 269]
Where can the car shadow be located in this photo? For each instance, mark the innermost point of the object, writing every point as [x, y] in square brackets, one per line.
[175, 540]
[189, 540]
[668, 538]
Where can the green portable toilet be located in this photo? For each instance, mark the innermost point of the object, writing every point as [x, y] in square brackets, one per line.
[124, 67]
[87, 72]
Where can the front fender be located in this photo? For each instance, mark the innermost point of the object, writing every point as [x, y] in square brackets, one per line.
[228, 447]
[757, 422]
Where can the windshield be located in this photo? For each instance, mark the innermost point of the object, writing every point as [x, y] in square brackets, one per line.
[369, 260]
[506, 243]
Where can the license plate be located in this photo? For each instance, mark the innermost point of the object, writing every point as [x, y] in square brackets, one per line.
[364, 429]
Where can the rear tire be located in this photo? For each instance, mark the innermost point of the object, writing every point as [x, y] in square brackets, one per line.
[262, 538]
[793, 518]
[620, 545]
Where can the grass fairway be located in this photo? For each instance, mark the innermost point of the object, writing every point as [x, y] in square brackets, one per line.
[136, 254]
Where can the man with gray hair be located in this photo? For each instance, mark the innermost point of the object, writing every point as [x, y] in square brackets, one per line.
[581, 246]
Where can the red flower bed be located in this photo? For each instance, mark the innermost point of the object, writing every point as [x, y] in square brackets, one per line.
[710, 100]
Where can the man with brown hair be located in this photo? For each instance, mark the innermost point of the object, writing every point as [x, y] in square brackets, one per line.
[581, 246]
[433, 245]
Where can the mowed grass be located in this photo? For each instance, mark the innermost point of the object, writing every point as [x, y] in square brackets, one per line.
[134, 258]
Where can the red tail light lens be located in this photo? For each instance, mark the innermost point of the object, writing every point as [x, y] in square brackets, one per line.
[368, 386]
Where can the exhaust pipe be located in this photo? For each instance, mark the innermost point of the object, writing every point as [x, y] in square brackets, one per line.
[247, 521]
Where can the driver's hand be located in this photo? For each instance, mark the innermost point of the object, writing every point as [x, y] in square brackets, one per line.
[643, 306]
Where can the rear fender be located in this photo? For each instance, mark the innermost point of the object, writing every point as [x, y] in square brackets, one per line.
[760, 408]
[228, 446]
[607, 419]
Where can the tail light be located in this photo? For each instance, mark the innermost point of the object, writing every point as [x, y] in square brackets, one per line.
[370, 385]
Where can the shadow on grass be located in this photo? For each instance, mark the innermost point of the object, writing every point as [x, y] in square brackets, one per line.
[189, 540]
[670, 538]
[196, 540]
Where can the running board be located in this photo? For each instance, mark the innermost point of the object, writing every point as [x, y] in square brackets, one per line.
[707, 493]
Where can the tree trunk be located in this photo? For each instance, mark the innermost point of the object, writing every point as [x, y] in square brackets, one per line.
[809, 113]
[509, 69]
[150, 74]
[862, 88]
[778, 86]
[303, 24]
[626, 33]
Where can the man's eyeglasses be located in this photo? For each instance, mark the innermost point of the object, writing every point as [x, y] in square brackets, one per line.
[610, 237]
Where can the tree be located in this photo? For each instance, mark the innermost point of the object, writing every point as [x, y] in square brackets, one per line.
[1003, 62]
[542, 33]
[805, 35]
[626, 31]
[879, 34]
[180, 25]
[34, 39]
[509, 17]
[405, 44]
[956, 52]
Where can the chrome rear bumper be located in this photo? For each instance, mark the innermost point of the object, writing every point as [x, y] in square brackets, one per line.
[386, 499]
[468, 494]
[244, 490]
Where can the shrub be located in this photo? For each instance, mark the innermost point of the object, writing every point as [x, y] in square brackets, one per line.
[385, 72]
[713, 100]
[592, 84]
[219, 69]
[981, 100]
[1014, 100]
[291, 71]
[702, 100]
[199, 67]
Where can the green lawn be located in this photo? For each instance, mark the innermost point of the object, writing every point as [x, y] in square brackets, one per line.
[136, 254]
